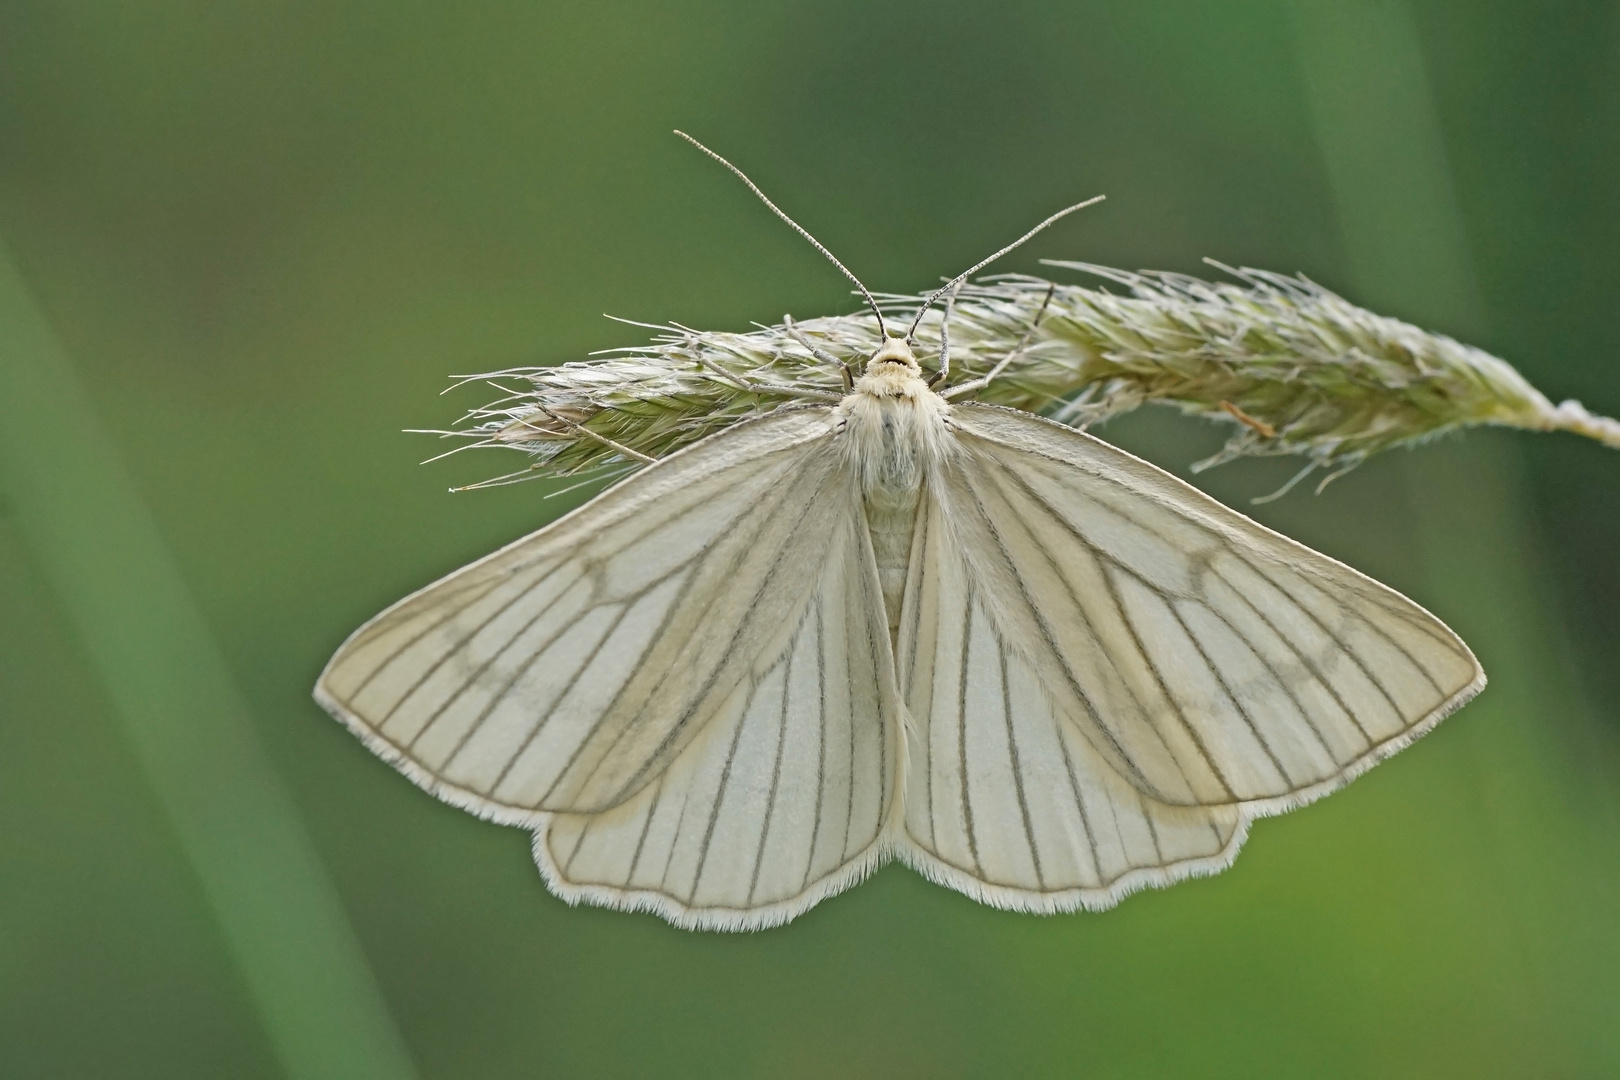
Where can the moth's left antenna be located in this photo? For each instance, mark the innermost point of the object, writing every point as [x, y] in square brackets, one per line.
[802, 231]
[982, 263]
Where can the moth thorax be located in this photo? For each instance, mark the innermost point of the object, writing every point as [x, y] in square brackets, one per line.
[886, 447]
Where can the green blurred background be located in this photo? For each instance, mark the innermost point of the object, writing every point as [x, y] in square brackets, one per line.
[244, 245]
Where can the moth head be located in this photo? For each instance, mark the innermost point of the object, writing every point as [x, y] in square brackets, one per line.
[895, 351]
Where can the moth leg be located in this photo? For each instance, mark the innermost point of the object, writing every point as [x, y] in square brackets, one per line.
[944, 371]
[1012, 354]
[621, 449]
[819, 353]
[754, 386]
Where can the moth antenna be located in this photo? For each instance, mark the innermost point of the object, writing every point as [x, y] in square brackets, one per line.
[981, 264]
[802, 231]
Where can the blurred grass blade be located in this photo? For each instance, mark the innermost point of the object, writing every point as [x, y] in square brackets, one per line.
[190, 728]
[1381, 141]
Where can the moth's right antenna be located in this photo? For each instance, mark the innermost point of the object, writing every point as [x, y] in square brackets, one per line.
[982, 263]
[800, 229]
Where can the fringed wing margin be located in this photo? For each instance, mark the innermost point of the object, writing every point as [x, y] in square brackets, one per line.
[1207, 659]
[789, 797]
[1007, 800]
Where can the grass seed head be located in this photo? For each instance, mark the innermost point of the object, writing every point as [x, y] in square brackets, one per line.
[1291, 367]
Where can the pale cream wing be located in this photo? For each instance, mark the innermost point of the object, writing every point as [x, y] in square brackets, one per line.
[785, 797]
[1207, 660]
[568, 670]
[1007, 800]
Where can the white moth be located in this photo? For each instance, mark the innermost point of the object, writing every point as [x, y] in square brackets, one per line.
[897, 624]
